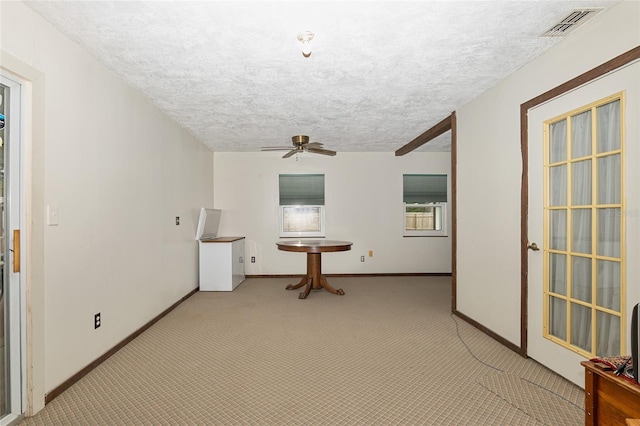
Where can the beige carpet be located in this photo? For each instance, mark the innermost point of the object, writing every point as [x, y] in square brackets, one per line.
[388, 352]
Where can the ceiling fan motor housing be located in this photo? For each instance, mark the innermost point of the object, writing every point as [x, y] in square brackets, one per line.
[300, 140]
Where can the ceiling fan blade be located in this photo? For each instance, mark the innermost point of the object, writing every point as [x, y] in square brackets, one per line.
[321, 151]
[276, 148]
[314, 145]
[290, 153]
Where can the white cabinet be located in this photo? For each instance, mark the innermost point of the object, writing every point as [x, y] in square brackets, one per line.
[221, 263]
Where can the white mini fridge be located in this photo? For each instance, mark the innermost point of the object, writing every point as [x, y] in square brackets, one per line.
[221, 258]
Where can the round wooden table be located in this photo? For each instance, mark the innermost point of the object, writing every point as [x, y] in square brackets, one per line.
[314, 249]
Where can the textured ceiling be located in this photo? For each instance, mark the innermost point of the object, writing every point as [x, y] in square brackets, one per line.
[380, 73]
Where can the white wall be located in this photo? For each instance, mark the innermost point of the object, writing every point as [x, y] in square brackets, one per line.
[119, 171]
[363, 199]
[489, 157]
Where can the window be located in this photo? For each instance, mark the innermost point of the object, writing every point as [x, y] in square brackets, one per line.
[301, 205]
[584, 229]
[424, 205]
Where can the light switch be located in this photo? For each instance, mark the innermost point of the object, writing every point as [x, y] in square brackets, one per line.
[52, 215]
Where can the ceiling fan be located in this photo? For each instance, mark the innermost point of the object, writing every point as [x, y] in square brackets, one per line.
[300, 144]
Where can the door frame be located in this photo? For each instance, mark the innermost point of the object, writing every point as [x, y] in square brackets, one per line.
[32, 235]
[584, 78]
[14, 293]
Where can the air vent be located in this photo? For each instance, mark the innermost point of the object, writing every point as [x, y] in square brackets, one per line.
[567, 24]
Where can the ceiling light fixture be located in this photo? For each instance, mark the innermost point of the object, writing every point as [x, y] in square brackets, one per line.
[305, 38]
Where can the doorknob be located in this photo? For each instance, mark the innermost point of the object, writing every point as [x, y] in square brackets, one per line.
[533, 246]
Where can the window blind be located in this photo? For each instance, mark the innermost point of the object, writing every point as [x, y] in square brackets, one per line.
[424, 188]
[301, 190]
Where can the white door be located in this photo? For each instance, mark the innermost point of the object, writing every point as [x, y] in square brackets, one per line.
[566, 361]
[11, 288]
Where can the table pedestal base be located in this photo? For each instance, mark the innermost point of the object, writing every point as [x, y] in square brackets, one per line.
[314, 280]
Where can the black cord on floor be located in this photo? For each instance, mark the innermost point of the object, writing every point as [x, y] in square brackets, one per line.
[502, 371]
[552, 392]
[468, 349]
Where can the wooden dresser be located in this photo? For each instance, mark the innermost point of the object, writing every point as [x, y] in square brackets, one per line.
[609, 399]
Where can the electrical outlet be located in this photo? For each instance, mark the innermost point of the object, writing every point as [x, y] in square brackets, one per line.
[370, 253]
[253, 259]
[361, 258]
[96, 320]
[177, 220]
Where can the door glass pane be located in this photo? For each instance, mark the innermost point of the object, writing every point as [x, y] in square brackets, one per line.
[608, 116]
[558, 273]
[584, 222]
[558, 141]
[581, 183]
[609, 179]
[558, 183]
[11, 389]
[581, 326]
[581, 135]
[558, 317]
[608, 284]
[607, 334]
[609, 232]
[581, 235]
[3, 250]
[558, 229]
[581, 278]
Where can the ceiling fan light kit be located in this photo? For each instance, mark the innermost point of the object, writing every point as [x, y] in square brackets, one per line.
[305, 38]
[301, 144]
